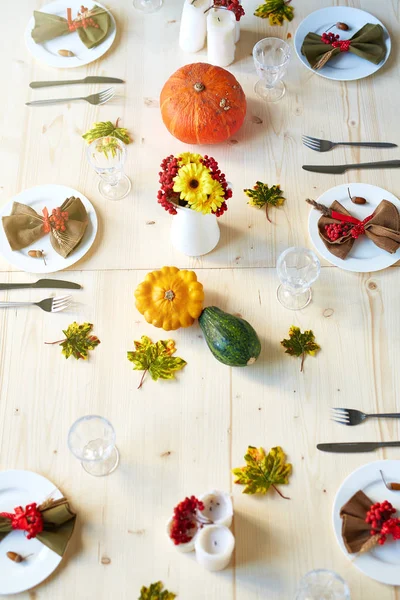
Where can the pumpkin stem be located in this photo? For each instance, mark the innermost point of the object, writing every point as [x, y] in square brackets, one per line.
[169, 295]
[199, 87]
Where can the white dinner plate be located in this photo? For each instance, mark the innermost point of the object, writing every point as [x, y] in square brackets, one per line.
[345, 66]
[383, 562]
[48, 51]
[37, 198]
[19, 488]
[365, 256]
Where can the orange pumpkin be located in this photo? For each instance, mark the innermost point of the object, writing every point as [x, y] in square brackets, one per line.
[202, 104]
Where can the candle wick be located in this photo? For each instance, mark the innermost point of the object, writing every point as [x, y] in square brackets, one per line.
[219, 19]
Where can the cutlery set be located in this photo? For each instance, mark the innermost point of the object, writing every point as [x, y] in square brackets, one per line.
[325, 145]
[52, 305]
[95, 99]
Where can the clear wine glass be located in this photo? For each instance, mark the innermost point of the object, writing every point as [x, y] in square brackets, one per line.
[297, 269]
[92, 440]
[271, 57]
[107, 156]
[147, 6]
[322, 585]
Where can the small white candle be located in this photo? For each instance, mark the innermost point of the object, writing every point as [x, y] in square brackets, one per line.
[217, 507]
[214, 545]
[237, 31]
[221, 32]
[193, 30]
[184, 548]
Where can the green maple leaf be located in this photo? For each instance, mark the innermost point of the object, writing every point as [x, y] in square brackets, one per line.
[263, 471]
[78, 341]
[155, 358]
[108, 130]
[300, 344]
[276, 11]
[154, 593]
[262, 195]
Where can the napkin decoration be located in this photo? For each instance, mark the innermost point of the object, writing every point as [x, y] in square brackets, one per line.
[66, 226]
[355, 531]
[367, 43]
[338, 229]
[52, 523]
[93, 26]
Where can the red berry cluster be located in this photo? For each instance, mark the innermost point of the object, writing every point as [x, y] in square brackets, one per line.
[233, 5]
[330, 38]
[184, 520]
[380, 518]
[169, 168]
[216, 174]
[58, 219]
[344, 45]
[359, 229]
[334, 231]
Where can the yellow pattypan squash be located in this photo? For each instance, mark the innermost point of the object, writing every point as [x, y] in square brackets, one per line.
[170, 298]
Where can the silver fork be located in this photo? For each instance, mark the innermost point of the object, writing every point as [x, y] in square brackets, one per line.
[324, 145]
[350, 416]
[99, 98]
[49, 304]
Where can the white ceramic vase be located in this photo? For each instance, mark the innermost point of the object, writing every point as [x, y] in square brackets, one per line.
[193, 233]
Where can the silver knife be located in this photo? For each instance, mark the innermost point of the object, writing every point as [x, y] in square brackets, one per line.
[42, 283]
[339, 169]
[356, 446]
[90, 79]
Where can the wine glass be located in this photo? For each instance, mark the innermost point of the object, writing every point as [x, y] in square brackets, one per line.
[271, 57]
[147, 6]
[297, 269]
[322, 585]
[107, 156]
[92, 440]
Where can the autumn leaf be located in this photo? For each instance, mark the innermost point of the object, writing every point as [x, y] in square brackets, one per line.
[78, 341]
[262, 195]
[300, 344]
[155, 358]
[276, 11]
[154, 592]
[110, 133]
[263, 471]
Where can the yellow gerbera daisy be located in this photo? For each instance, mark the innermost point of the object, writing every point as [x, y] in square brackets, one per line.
[212, 202]
[193, 182]
[188, 157]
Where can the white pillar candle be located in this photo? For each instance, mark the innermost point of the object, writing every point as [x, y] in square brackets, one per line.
[217, 507]
[184, 548]
[193, 30]
[221, 37]
[214, 545]
[237, 31]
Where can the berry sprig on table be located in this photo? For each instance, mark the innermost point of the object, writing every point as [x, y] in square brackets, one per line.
[185, 520]
[382, 522]
[232, 5]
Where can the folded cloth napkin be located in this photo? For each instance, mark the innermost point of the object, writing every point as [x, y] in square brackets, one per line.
[25, 226]
[355, 531]
[366, 43]
[48, 27]
[52, 523]
[382, 227]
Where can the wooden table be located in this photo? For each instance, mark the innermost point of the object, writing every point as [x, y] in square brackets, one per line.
[183, 437]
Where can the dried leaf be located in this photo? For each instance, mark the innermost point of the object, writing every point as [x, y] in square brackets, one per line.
[154, 592]
[276, 11]
[300, 344]
[77, 341]
[263, 471]
[155, 358]
[262, 195]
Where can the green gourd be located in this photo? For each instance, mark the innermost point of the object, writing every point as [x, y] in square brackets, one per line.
[232, 340]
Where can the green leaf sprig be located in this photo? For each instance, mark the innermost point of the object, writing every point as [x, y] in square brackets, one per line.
[78, 341]
[106, 129]
[155, 359]
[154, 592]
[276, 11]
[262, 195]
[263, 471]
[300, 344]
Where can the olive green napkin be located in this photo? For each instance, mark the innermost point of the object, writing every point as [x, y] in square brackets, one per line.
[48, 27]
[355, 531]
[24, 227]
[58, 525]
[366, 43]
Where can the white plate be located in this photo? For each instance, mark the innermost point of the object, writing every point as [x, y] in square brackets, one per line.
[48, 51]
[383, 562]
[346, 66]
[19, 488]
[365, 256]
[38, 197]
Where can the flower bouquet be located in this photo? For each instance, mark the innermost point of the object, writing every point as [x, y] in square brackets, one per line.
[194, 190]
